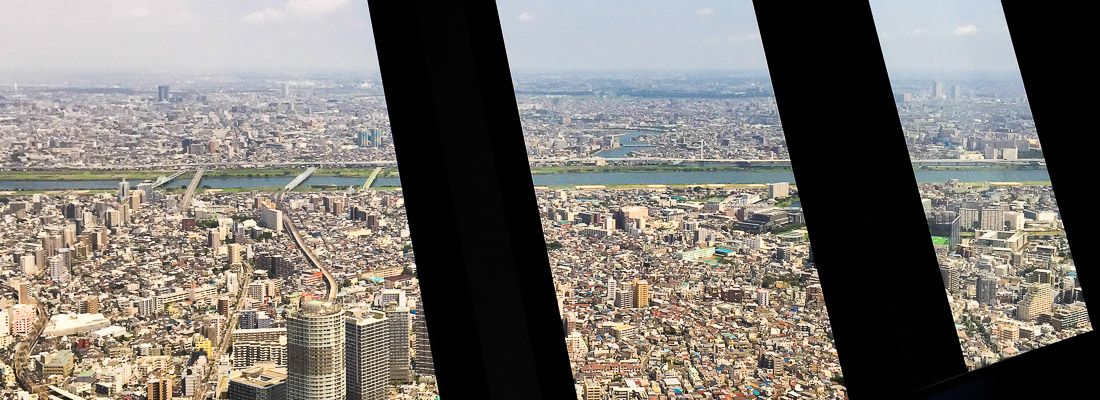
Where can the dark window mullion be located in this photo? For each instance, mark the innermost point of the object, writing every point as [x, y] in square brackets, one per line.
[1055, 44]
[480, 252]
[891, 321]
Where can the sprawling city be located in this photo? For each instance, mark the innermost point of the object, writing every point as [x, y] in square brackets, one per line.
[213, 259]
[242, 235]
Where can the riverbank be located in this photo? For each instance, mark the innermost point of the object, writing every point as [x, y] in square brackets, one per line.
[140, 175]
[346, 172]
[330, 188]
[687, 167]
[614, 176]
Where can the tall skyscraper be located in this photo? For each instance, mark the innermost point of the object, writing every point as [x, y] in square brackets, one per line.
[24, 290]
[362, 139]
[162, 93]
[987, 289]
[641, 294]
[375, 138]
[624, 297]
[950, 275]
[59, 269]
[423, 363]
[937, 90]
[398, 327]
[123, 190]
[28, 264]
[367, 355]
[315, 352]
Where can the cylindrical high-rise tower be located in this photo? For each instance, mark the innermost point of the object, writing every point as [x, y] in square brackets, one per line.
[315, 352]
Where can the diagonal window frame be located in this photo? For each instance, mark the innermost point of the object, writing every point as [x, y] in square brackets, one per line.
[891, 321]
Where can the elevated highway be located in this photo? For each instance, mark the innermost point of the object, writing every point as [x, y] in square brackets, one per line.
[27, 379]
[292, 229]
[330, 281]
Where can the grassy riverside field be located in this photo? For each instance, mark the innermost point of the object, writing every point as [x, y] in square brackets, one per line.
[391, 172]
[77, 175]
[138, 175]
[100, 175]
[7, 193]
[81, 175]
[650, 168]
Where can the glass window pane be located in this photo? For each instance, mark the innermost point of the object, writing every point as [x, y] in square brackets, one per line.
[127, 264]
[672, 222]
[992, 214]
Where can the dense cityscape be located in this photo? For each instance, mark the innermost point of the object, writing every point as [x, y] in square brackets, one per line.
[165, 287]
[264, 121]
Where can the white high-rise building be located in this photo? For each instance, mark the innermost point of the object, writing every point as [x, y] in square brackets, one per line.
[779, 190]
[612, 287]
[29, 265]
[59, 270]
[272, 218]
[576, 346]
[315, 352]
[123, 190]
[367, 355]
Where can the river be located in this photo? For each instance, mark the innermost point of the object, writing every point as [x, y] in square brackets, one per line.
[762, 175]
[627, 144]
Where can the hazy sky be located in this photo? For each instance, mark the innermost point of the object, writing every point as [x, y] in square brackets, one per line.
[185, 35]
[543, 35]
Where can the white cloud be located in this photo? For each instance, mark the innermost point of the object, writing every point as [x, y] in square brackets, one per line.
[965, 30]
[526, 17]
[140, 12]
[705, 12]
[264, 16]
[314, 7]
[920, 31]
[294, 8]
